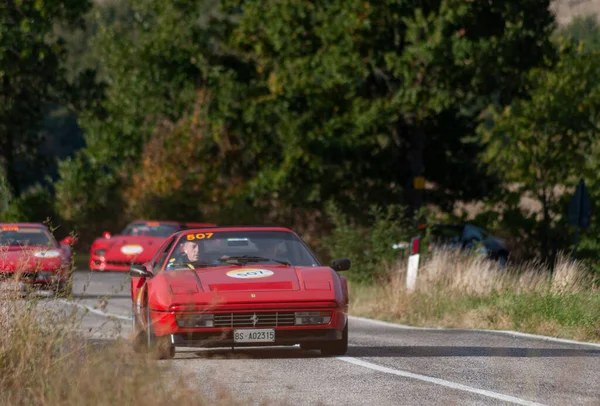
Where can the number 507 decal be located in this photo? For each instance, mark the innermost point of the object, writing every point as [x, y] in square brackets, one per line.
[199, 236]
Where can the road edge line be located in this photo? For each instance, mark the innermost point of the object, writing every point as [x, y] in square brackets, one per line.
[505, 332]
[437, 381]
[94, 310]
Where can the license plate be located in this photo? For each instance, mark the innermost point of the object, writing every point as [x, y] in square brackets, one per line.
[258, 335]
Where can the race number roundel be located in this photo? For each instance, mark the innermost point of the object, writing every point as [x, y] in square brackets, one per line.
[132, 249]
[249, 273]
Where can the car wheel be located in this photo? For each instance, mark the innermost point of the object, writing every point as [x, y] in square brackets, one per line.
[139, 336]
[158, 347]
[503, 259]
[336, 348]
[64, 288]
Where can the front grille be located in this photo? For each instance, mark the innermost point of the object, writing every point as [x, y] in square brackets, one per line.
[270, 319]
[24, 276]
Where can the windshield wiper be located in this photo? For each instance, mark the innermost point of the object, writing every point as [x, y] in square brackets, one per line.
[250, 258]
[177, 266]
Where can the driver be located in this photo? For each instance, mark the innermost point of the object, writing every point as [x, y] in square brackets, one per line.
[189, 252]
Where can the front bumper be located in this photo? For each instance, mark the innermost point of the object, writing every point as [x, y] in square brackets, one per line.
[282, 337]
[165, 324]
[98, 263]
[42, 278]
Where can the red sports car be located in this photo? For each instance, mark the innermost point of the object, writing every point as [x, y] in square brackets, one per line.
[236, 287]
[136, 244]
[30, 252]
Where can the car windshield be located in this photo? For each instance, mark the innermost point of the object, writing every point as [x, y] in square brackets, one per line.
[202, 249]
[150, 229]
[15, 236]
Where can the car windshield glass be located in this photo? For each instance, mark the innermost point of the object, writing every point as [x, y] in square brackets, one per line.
[243, 247]
[150, 229]
[26, 236]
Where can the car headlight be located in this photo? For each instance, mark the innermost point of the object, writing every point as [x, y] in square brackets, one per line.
[195, 320]
[304, 318]
[47, 254]
[100, 253]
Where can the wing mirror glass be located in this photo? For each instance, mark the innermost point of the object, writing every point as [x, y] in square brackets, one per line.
[68, 240]
[139, 271]
[341, 264]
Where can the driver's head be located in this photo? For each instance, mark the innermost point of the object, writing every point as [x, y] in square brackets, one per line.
[190, 251]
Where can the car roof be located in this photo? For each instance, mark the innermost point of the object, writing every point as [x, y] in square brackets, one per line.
[238, 228]
[34, 225]
[176, 223]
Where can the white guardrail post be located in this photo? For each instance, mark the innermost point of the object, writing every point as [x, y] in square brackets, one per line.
[413, 264]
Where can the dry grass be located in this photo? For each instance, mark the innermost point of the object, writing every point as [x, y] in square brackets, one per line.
[47, 357]
[459, 291]
[45, 360]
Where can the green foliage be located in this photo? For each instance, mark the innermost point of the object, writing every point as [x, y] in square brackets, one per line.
[542, 141]
[5, 194]
[348, 90]
[30, 77]
[585, 29]
[369, 249]
[88, 196]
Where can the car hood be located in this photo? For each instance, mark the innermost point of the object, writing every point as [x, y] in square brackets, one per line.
[241, 284]
[130, 247]
[24, 259]
[237, 278]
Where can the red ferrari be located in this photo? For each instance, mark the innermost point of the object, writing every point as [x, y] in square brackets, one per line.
[29, 252]
[136, 244]
[237, 287]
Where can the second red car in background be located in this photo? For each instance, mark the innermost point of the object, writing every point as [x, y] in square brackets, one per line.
[136, 244]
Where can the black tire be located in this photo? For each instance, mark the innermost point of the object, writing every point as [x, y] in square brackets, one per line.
[502, 259]
[336, 348]
[64, 288]
[139, 341]
[159, 347]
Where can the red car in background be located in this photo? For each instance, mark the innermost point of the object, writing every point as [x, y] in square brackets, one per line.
[29, 252]
[136, 244]
[237, 287]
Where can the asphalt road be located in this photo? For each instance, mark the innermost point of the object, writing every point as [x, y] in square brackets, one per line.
[385, 365]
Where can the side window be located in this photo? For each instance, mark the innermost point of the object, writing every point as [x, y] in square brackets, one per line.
[162, 255]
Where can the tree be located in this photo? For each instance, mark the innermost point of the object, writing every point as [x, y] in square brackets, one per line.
[31, 76]
[353, 97]
[541, 142]
[583, 28]
[154, 58]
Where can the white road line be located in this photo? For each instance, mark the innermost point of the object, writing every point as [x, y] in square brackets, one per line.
[448, 384]
[95, 311]
[506, 332]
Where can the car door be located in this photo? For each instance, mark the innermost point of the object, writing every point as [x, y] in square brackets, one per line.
[139, 284]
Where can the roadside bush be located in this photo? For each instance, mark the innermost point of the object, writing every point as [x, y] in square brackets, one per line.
[369, 248]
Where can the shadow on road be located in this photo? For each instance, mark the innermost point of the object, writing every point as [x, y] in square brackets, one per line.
[454, 351]
[248, 353]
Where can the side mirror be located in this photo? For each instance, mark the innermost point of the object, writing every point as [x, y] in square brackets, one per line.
[139, 271]
[341, 264]
[68, 240]
[106, 235]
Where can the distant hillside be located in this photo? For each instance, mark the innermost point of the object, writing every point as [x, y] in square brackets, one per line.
[566, 10]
